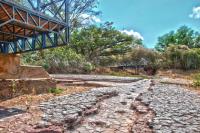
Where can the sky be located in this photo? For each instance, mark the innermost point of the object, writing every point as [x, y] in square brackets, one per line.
[149, 19]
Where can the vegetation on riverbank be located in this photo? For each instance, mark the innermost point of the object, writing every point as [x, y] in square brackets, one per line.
[196, 80]
[102, 45]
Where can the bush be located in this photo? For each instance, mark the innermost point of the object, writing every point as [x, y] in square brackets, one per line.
[55, 90]
[196, 80]
[181, 57]
[141, 56]
[196, 83]
[58, 60]
[88, 67]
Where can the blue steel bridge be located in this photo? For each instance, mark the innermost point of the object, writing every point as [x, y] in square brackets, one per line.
[34, 25]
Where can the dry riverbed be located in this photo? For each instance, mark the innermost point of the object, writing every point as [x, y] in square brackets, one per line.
[123, 105]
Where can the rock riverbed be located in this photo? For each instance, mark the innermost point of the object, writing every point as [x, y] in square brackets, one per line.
[105, 109]
[177, 110]
[129, 105]
[140, 106]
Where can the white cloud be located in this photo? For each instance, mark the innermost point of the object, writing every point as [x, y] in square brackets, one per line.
[96, 19]
[195, 13]
[133, 33]
[90, 19]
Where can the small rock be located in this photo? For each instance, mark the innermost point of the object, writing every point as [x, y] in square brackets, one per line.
[123, 102]
[138, 99]
[43, 124]
[91, 111]
[98, 123]
[64, 112]
[120, 111]
[71, 118]
[133, 106]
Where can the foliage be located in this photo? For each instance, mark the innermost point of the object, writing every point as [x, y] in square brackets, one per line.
[89, 47]
[196, 80]
[141, 56]
[181, 57]
[81, 10]
[55, 90]
[179, 49]
[88, 67]
[191, 59]
[183, 36]
[96, 42]
[58, 60]
[77, 9]
[111, 60]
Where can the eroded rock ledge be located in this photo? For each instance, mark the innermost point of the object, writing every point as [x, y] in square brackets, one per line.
[69, 111]
[106, 109]
[143, 115]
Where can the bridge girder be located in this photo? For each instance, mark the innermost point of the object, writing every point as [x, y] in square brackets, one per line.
[45, 25]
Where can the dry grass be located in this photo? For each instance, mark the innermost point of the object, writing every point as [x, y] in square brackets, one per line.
[118, 72]
[187, 77]
[174, 73]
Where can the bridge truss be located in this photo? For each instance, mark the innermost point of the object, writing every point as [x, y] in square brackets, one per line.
[40, 24]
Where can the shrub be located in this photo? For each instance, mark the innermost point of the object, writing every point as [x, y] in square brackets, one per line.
[181, 57]
[58, 60]
[55, 90]
[196, 80]
[141, 56]
[88, 67]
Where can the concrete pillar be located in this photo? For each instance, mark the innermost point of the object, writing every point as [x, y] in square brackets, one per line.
[9, 65]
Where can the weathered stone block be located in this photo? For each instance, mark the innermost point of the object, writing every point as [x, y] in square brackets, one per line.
[9, 64]
[10, 88]
[10, 68]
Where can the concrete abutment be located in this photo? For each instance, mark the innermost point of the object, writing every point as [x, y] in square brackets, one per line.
[16, 79]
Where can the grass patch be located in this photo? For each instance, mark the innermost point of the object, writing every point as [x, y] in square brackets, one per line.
[55, 90]
[196, 80]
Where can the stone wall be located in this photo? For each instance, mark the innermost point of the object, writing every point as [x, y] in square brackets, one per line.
[12, 88]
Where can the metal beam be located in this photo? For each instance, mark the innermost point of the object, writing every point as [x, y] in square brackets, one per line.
[26, 30]
[4, 23]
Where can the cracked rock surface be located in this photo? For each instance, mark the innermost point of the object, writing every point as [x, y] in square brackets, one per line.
[176, 109]
[105, 109]
[141, 106]
[69, 110]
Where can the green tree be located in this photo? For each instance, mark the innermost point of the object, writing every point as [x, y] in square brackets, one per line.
[140, 55]
[165, 40]
[95, 42]
[183, 36]
[77, 9]
[89, 47]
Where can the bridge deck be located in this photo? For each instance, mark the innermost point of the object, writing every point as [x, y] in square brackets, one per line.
[22, 29]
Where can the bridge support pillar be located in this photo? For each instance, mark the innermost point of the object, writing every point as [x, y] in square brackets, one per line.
[16, 80]
[9, 65]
